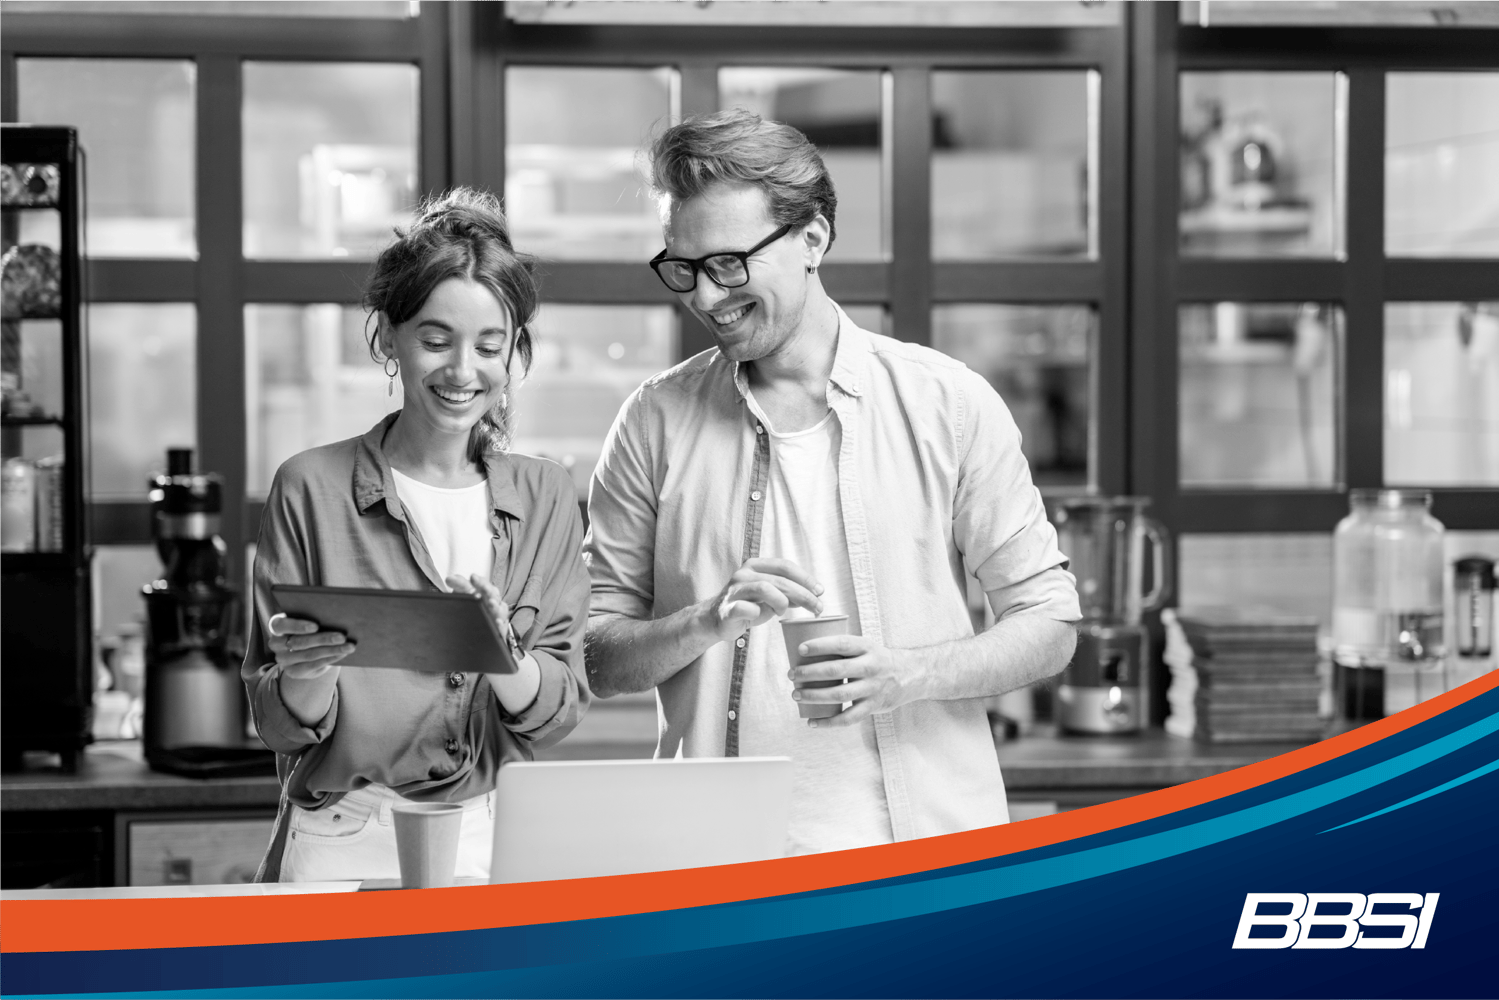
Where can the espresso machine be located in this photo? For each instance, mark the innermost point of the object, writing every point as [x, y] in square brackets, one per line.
[195, 705]
[1103, 689]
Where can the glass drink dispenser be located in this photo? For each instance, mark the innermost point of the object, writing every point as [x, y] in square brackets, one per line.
[1387, 603]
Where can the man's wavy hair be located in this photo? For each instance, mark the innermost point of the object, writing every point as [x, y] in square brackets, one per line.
[460, 234]
[739, 147]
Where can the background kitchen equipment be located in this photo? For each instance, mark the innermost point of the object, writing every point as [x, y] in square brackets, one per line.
[1473, 606]
[195, 701]
[1387, 617]
[1104, 689]
[46, 685]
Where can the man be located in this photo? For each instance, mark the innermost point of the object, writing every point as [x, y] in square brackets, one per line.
[807, 466]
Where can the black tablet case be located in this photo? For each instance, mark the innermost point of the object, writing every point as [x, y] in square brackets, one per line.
[423, 630]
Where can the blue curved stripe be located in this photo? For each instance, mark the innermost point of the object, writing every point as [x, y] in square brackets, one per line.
[1444, 786]
[531, 949]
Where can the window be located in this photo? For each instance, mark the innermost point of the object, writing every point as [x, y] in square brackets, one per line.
[1261, 164]
[1039, 360]
[1441, 412]
[142, 391]
[1441, 158]
[137, 127]
[572, 187]
[309, 381]
[329, 157]
[1011, 164]
[842, 112]
[588, 360]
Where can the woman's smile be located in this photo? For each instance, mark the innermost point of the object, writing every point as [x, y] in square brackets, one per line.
[458, 397]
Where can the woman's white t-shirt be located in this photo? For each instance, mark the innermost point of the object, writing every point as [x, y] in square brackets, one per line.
[454, 524]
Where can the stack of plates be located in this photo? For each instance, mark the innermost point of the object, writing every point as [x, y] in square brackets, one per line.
[1256, 673]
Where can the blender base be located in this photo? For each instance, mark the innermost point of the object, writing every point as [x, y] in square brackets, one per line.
[1099, 710]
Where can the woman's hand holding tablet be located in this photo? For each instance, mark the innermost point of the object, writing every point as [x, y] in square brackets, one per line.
[308, 659]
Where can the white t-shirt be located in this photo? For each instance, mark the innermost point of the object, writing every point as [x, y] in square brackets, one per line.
[454, 524]
[838, 791]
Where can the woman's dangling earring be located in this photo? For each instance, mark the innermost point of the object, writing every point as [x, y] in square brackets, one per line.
[391, 389]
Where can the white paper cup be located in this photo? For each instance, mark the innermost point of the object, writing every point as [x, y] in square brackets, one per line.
[427, 842]
[797, 631]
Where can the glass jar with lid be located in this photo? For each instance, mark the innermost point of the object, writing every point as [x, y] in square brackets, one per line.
[1387, 601]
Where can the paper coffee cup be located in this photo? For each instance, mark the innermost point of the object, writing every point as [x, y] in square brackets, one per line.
[797, 631]
[427, 842]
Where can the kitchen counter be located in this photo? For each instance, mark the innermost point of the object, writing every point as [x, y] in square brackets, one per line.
[1074, 770]
[1151, 759]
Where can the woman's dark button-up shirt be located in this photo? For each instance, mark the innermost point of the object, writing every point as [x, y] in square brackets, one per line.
[333, 518]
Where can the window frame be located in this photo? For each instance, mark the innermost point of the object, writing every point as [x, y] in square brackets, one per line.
[221, 280]
[1361, 282]
[485, 36]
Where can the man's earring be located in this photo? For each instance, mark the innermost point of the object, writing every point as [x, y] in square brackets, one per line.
[811, 269]
[391, 389]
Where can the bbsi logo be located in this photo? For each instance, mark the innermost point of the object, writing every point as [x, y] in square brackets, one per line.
[1348, 927]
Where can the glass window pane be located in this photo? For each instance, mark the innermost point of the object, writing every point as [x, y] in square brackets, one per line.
[393, 9]
[841, 113]
[136, 121]
[573, 189]
[588, 360]
[1441, 413]
[143, 392]
[875, 319]
[1038, 358]
[309, 380]
[1414, 13]
[1441, 161]
[852, 13]
[1261, 170]
[1010, 173]
[330, 157]
[1289, 572]
[1260, 387]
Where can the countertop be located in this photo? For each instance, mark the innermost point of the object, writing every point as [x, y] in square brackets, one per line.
[112, 776]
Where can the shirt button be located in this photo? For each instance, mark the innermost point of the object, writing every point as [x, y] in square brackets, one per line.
[451, 746]
[755, 495]
[732, 715]
[759, 429]
[739, 642]
[456, 679]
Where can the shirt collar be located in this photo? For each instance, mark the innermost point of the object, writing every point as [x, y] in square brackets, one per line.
[373, 480]
[848, 359]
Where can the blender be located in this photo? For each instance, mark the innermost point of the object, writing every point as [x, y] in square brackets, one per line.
[1103, 689]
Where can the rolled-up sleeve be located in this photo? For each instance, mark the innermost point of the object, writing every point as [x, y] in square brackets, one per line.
[999, 522]
[280, 557]
[555, 635]
[620, 547]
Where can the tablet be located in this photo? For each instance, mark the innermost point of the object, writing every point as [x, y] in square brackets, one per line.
[426, 630]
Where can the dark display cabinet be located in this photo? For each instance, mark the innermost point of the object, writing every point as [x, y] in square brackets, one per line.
[46, 654]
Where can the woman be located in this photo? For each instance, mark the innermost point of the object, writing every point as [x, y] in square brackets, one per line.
[427, 499]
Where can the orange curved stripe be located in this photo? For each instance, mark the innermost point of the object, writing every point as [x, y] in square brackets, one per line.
[115, 924]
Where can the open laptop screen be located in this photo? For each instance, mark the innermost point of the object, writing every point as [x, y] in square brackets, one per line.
[578, 819]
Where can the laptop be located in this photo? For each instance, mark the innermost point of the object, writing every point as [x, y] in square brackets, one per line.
[582, 818]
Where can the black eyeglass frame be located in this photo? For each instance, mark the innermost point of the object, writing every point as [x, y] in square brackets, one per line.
[701, 263]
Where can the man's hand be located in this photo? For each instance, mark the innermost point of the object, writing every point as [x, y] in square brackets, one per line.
[878, 679]
[758, 591]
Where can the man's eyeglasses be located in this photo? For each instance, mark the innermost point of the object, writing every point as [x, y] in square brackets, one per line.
[728, 268]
